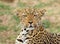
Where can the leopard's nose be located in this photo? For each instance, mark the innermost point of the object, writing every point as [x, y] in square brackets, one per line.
[30, 22]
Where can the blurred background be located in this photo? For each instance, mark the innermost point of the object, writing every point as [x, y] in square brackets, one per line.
[9, 22]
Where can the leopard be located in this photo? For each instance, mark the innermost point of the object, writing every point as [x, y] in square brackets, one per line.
[32, 29]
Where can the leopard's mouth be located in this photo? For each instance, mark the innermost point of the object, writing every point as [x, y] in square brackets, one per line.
[30, 26]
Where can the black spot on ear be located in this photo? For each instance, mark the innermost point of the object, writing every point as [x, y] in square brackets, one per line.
[20, 40]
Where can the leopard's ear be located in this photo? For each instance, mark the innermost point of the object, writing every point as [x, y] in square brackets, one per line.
[17, 12]
[42, 12]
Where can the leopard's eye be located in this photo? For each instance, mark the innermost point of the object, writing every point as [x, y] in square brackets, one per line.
[35, 14]
[24, 15]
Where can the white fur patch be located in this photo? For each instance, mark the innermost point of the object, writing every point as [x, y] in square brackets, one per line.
[23, 32]
[23, 36]
[29, 28]
[25, 42]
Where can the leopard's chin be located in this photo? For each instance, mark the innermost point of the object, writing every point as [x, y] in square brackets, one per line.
[30, 28]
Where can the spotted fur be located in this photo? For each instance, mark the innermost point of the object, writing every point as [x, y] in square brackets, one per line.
[33, 31]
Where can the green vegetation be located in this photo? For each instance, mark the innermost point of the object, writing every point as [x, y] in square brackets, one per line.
[58, 28]
[46, 23]
[2, 27]
[5, 9]
[16, 18]
[22, 5]
[0, 21]
[41, 5]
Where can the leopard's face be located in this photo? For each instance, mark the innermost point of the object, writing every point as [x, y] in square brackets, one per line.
[30, 18]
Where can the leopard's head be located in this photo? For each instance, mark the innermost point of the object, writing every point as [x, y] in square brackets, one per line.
[30, 18]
